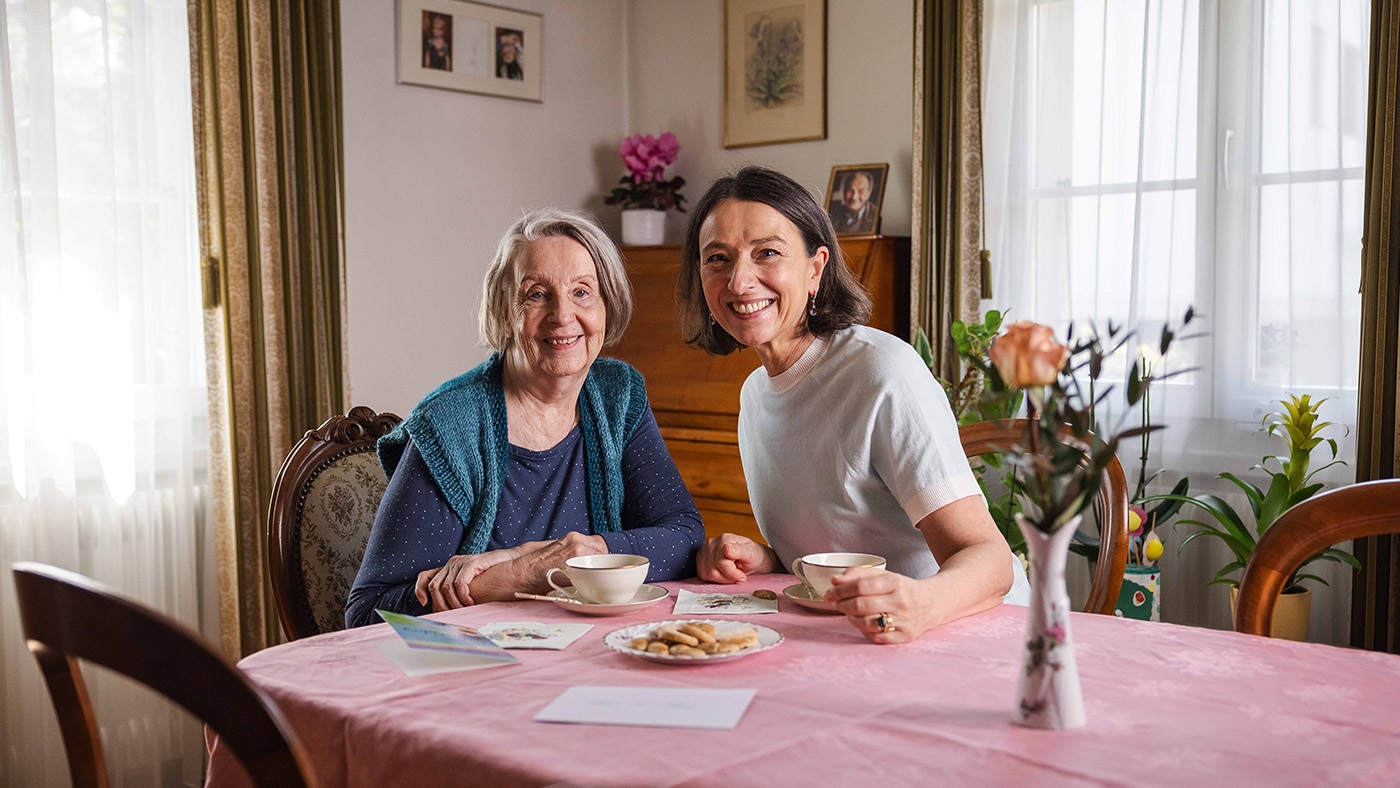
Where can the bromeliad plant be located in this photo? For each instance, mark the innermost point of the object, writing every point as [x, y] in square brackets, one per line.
[1298, 425]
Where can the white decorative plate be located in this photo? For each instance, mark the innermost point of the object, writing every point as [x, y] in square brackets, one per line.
[799, 594]
[618, 639]
[646, 596]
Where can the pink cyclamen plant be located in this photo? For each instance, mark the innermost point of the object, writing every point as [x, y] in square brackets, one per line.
[645, 185]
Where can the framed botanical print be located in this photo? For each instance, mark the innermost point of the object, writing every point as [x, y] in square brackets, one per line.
[472, 47]
[774, 71]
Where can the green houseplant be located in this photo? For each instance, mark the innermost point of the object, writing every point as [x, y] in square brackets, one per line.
[1290, 476]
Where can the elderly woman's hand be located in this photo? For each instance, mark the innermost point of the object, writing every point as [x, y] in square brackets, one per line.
[448, 587]
[730, 558]
[526, 572]
[865, 595]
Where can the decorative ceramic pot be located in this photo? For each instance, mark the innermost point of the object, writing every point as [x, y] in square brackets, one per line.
[643, 227]
[1290, 613]
[1049, 695]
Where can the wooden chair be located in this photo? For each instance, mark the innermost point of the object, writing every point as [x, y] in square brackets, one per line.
[1366, 509]
[66, 617]
[988, 437]
[318, 523]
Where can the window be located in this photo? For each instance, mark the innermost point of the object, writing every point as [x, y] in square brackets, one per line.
[1146, 155]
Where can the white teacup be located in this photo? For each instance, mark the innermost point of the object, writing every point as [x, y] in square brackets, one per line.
[607, 579]
[815, 570]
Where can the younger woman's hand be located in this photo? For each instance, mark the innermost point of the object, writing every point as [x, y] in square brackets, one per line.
[864, 594]
[730, 558]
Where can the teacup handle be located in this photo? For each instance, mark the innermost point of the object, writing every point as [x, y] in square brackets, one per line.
[549, 578]
[797, 570]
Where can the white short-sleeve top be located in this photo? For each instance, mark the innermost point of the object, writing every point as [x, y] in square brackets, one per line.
[850, 447]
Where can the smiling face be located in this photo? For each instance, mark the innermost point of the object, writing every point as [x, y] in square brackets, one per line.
[757, 275]
[561, 318]
[857, 191]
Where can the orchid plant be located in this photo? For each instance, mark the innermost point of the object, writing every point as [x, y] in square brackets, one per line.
[1060, 461]
[644, 185]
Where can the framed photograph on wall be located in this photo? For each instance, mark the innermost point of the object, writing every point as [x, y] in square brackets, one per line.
[774, 71]
[472, 47]
[854, 196]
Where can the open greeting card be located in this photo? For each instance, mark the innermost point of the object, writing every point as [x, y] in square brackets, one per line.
[428, 647]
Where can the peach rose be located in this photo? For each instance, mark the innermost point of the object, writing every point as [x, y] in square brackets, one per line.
[1028, 355]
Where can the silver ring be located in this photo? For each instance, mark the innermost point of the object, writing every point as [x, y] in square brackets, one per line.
[885, 621]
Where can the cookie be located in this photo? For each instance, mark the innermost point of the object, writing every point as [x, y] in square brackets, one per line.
[764, 593]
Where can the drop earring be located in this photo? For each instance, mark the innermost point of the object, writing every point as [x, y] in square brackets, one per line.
[811, 305]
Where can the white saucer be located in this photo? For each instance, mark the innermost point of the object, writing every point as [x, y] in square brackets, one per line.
[618, 640]
[799, 594]
[646, 595]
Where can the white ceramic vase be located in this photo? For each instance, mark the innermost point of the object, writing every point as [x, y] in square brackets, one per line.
[643, 227]
[1049, 695]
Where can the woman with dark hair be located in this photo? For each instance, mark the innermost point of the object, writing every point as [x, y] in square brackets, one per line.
[848, 443]
[543, 452]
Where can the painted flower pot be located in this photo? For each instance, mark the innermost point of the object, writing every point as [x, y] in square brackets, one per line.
[1140, 595]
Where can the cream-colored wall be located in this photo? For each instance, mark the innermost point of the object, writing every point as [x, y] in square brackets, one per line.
[676, 84]
[433, 177]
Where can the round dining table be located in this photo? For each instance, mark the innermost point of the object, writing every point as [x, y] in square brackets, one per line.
[1167, 705]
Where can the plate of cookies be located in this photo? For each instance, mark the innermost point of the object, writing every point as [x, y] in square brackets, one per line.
[683, 642]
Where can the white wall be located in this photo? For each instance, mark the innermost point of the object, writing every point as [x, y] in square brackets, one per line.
[676, 84]
[433, 177]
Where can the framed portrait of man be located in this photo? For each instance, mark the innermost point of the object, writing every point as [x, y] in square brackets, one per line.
[854, 195]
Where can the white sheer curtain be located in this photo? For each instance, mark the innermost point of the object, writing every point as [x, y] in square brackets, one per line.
[1146, 155]
[102, 403]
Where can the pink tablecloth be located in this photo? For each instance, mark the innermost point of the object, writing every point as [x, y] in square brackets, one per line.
[1167, 706]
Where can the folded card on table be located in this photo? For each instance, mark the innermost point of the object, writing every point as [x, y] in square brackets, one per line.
[689, 603]
[662, 707]
[532, 634]
[436, 635]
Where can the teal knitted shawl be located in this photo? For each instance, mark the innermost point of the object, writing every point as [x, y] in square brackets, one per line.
[460, 430]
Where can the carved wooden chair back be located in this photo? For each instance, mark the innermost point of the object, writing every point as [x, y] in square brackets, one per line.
[66, 617]
[988, 437]
[323, 504]
[1352, 512]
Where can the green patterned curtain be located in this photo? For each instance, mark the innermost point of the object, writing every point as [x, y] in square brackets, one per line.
[1376, 589]
[267, 135]
[947, 266]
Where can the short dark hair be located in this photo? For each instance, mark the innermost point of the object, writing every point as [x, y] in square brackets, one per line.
[841, 298]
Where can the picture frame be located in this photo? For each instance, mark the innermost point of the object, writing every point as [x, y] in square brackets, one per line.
[854, 195]
[471, 47]
[774, 71]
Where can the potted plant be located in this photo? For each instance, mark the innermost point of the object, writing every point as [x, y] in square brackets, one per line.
[1298, 426]
[644, 193]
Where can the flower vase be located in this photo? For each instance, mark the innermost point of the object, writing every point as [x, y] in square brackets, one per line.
[643, 227]
[1049, 695]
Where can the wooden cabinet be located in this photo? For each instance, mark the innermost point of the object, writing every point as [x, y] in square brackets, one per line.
[696, 396]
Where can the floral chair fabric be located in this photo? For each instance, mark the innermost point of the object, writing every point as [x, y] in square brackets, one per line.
[335, 521]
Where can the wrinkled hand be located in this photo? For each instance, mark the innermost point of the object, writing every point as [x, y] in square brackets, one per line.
[864, 593]
[527, 571]
[730, 558]
[449, 586]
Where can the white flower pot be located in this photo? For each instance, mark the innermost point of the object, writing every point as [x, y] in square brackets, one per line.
[643, 227]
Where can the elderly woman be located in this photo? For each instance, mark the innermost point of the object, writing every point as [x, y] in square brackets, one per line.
[542, 453]
[848, 443]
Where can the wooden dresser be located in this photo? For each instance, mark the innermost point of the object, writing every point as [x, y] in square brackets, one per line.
[696, 396]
